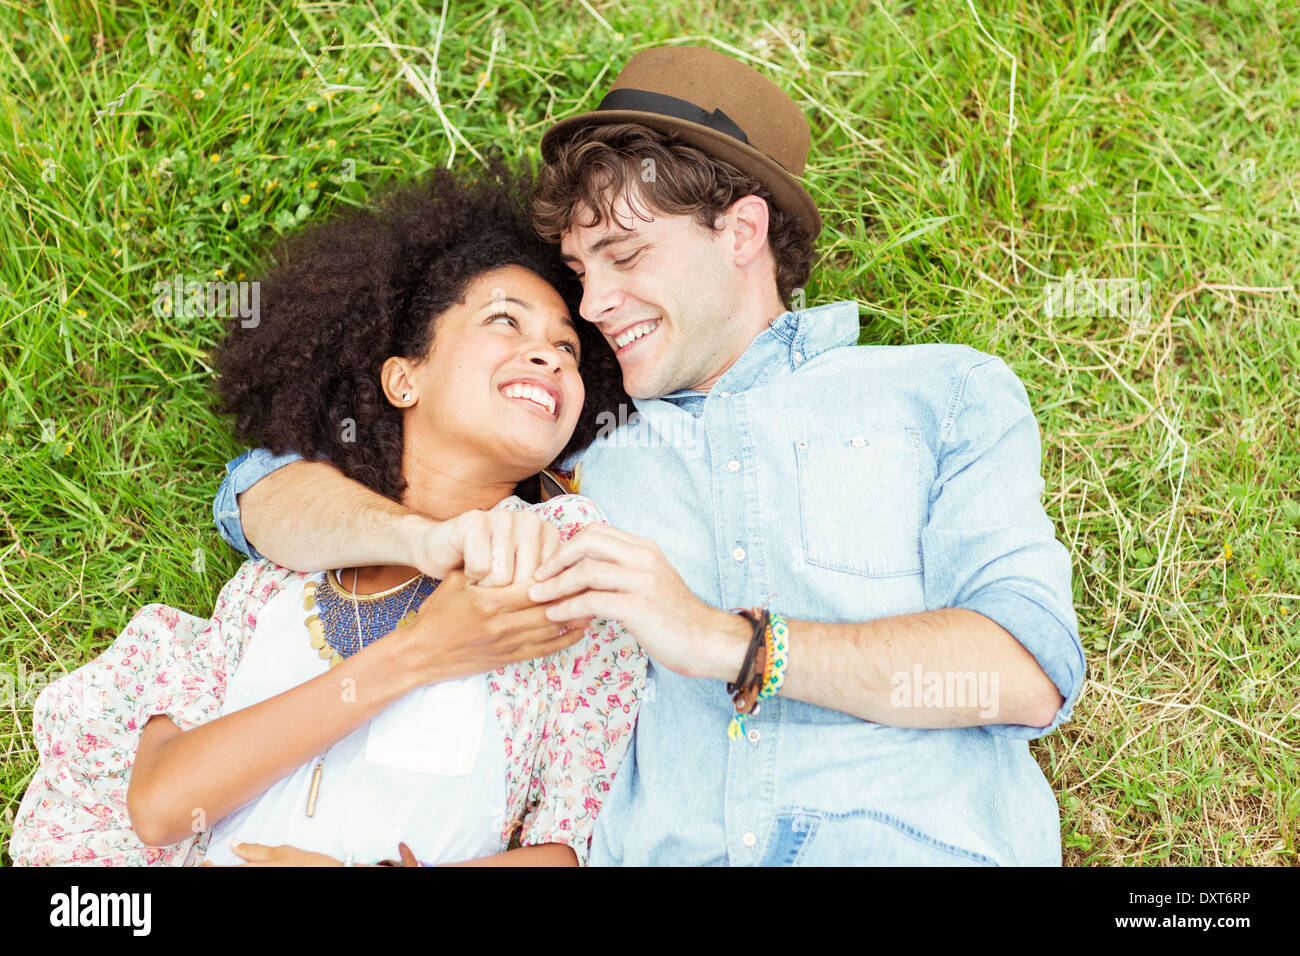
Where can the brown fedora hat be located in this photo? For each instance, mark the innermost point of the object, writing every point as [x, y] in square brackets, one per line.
[716, 103]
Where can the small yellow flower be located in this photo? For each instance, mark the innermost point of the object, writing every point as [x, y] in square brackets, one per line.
[221, 274]
[330, 143]
[239, 278]
[329, 96]
[214, 157]
[81, 312]
[243, 200]
[374, 108]
[269, 184]
[67, 449]
[311, 107]
[247, 86]
[1227, 552]
[312, 185]
[67, 37]
[198, 94]
[313, 146]
[225, 206]
[1284, 609]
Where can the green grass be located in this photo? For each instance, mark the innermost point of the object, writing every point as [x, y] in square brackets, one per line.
[1156, 141]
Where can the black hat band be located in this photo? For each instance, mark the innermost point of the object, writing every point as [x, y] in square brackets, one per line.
[645, 101]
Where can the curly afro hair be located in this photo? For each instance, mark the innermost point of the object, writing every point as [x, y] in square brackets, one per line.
[339, 297]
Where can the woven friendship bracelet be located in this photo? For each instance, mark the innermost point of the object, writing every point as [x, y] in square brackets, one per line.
[778, 653]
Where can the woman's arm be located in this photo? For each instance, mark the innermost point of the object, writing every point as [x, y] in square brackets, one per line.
[186, 779]
[546, 854]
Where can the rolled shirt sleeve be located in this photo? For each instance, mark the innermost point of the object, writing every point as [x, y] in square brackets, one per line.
[989, 545]
[241, 474]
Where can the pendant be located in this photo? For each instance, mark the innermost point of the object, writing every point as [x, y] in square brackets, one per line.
[309, 596]
[315, 787]
[336, 660]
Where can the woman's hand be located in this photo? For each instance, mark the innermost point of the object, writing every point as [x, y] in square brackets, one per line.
[258, 855]
[608, 573]
[495, 548]
[464, 629]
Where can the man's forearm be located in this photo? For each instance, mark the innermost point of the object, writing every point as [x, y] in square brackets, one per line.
[946, 668]
[308, 515]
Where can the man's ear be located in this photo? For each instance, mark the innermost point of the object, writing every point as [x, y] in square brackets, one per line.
[748, 218]
[398, 382]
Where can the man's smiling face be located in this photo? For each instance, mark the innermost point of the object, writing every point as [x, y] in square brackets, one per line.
[660, 288]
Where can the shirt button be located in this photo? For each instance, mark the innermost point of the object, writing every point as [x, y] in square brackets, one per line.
[753, 736]
[801, 443]
[749, 839]
[724, 395]
[798, 355]
[859, 442]
[733, 465]
[739, 554]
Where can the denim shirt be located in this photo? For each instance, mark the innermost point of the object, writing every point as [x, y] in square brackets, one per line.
[835, 483]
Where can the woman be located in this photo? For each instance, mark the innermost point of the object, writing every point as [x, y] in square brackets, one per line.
[476, 729]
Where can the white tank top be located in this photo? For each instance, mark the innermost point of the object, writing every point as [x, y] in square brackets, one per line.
[430, 770]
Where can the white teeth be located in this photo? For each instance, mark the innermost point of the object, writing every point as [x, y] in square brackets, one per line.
[634, 333]
[531, 392]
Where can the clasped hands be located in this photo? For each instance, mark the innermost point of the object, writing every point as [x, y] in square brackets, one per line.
[601, 572]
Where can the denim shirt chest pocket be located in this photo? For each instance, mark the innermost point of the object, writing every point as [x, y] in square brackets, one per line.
[862, 500]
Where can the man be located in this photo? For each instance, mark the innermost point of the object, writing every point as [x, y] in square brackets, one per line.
[884, 500]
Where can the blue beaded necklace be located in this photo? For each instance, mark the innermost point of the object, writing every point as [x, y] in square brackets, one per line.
[346, 623]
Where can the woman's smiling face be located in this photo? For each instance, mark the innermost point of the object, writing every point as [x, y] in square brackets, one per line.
[501, 379]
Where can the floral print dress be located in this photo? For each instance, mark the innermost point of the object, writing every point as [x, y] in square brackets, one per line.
[566, 721]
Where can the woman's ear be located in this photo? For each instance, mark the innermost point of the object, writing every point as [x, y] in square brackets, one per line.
[398, 383]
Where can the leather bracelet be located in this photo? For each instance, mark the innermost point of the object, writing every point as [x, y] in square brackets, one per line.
[749, 683]
[746, 698]
[755, 638]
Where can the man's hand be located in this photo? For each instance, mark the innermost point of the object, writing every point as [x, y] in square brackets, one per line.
[463, 629]
[495, 548]
[608, 573]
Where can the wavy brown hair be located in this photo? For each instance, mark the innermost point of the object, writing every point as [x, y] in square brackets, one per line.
[601, 163]
[340, 297]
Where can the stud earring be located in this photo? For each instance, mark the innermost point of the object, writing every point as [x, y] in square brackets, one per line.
[406, 396]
